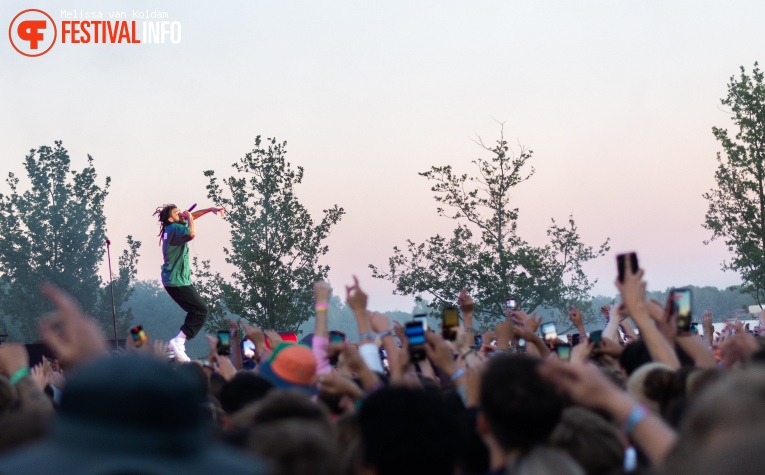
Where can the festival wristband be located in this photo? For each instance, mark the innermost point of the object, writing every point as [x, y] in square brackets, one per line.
[385, 333]
[637, 415]
[458, 374]
[18, 375]
[369, 335]
[321, 307]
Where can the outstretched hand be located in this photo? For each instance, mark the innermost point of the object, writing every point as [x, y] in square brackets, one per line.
[465, 301]
[356, 297]
[72, 336]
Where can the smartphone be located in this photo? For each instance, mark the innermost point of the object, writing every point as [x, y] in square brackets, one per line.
[224, 343]
[596, 337]
[139, 336]
[521, 345]
[478, 341]
[694, 328]
[451, 320]
[621, 264]
[415, 333]
[511, 305]
[564, 352]
[422, 318]
[335, 337]
[549, 332]
[575, 339]
[681, 306]
[248, 348]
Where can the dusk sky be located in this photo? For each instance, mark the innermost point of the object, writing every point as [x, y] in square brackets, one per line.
[617, 99]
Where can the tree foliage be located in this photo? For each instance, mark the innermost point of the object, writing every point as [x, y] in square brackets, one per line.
[54, 231]
[275, 243]
[485, 252]
[736, 210]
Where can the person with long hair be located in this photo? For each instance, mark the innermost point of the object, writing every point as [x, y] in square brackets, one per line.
[176, 229]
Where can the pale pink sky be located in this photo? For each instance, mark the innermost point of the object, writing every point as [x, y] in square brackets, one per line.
[617, 100]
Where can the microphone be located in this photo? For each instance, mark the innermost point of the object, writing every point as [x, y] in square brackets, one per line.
[191, 208]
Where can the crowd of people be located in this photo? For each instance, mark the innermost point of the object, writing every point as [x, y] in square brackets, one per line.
[508, 402]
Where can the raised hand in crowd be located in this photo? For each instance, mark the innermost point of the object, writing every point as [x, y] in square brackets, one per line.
[357, 364]
[632, 292]
[708, 326]
[580, 353]
[737, 349]
[520, 318]
[504, 333]
[576, 319]
[258, 339]
[222, 364]
[274, 339]
[39, 377]
[467, 307]
[72, 336]
[336, 384]
[13, 359]
[588, 386]
[233, 330]
[30, 399]
[608, 347]
[356, 297]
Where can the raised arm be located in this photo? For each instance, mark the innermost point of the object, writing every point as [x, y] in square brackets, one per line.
[201, 212]
[587, 385]
[633, 295]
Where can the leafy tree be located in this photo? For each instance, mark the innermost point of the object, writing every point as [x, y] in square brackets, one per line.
[485, 252]
[55, 231]
[275, 243]
[737, 206]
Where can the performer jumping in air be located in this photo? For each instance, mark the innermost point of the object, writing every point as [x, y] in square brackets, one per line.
[176, 229]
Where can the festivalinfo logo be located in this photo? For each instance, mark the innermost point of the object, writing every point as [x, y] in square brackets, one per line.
[33, 32]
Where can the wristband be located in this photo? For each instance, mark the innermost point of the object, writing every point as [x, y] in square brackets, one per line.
[469, 330]
[637, 415]
[18, 375]
[370, 335]
[321, 307]
[386, 333]
[458, 374]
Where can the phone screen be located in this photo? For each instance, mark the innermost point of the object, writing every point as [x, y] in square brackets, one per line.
[510, 304]
[521, 345]
[415, 333]
[681, 306]
[575, 339]
[621, 264]
[451, 321]
[564, 352]
[596, 337]
[549, 332]
[224, 343]
[336, 337]
[248, 349]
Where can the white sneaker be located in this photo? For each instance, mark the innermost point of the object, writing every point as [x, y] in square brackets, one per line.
[178, 347]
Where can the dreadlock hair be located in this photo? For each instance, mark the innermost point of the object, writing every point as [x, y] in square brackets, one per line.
[164, 215]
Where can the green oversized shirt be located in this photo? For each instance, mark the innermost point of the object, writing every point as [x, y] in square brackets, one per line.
[176, 271]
